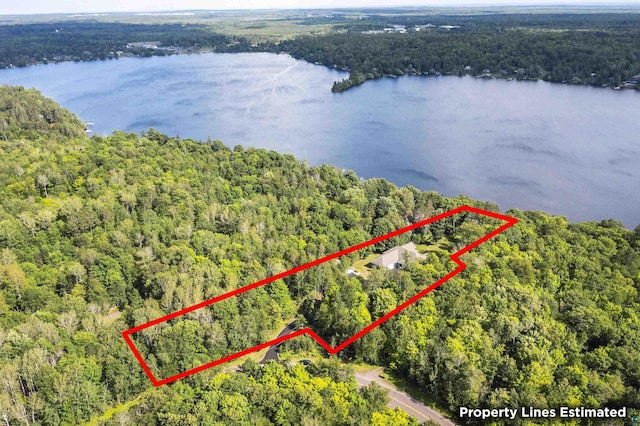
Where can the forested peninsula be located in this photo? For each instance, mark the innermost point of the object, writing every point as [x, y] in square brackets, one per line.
[597, 49]
[99, 234]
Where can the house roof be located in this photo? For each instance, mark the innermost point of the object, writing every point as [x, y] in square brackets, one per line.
[397, 255]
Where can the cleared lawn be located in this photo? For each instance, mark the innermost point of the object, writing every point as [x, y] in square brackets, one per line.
[442, 245]
[360, 267]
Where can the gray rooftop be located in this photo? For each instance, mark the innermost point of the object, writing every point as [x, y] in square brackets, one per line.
[397, 255]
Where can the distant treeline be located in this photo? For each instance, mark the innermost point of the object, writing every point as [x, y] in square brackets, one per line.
[23, 45]
[597, 49]
[499, 21]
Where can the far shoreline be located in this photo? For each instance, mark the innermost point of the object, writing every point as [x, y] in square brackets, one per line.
[348, 82]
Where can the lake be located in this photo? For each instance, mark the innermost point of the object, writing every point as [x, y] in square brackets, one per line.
[567, 150]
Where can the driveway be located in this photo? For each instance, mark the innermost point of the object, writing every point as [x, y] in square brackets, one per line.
[272, 353]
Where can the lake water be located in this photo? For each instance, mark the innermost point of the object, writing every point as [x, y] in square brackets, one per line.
[573, 151]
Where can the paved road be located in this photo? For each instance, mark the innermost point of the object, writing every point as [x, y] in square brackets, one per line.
[398, 399]
[272, 353]
[402, 400]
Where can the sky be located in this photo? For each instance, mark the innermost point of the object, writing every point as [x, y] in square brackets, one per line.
[8, 7]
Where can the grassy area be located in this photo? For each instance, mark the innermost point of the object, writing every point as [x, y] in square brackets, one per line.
[360, 267]
[428, 248]
[442, 245]
[270, 30]
[361, 367]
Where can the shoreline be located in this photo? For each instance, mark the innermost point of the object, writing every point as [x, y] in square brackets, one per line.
[346, 84]
[338, 86]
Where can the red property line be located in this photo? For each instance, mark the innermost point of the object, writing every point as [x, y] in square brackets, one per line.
[510, 221]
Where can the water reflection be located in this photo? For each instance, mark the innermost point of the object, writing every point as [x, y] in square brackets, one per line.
[568, 150]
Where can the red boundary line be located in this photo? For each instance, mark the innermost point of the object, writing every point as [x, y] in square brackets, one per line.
[454, 257]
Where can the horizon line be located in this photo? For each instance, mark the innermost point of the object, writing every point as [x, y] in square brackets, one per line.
[630, 4]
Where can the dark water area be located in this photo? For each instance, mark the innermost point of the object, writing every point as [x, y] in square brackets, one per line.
[567, 150]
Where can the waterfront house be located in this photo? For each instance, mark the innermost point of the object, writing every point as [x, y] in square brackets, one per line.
[396, 257]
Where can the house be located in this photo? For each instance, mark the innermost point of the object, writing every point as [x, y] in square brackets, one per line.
[396, 257]
[422, 27]
[397, 29]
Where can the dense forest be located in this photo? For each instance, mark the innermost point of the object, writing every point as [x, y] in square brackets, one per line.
[578, 48]
[27, 44]
[100, 234]
[594, 57]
